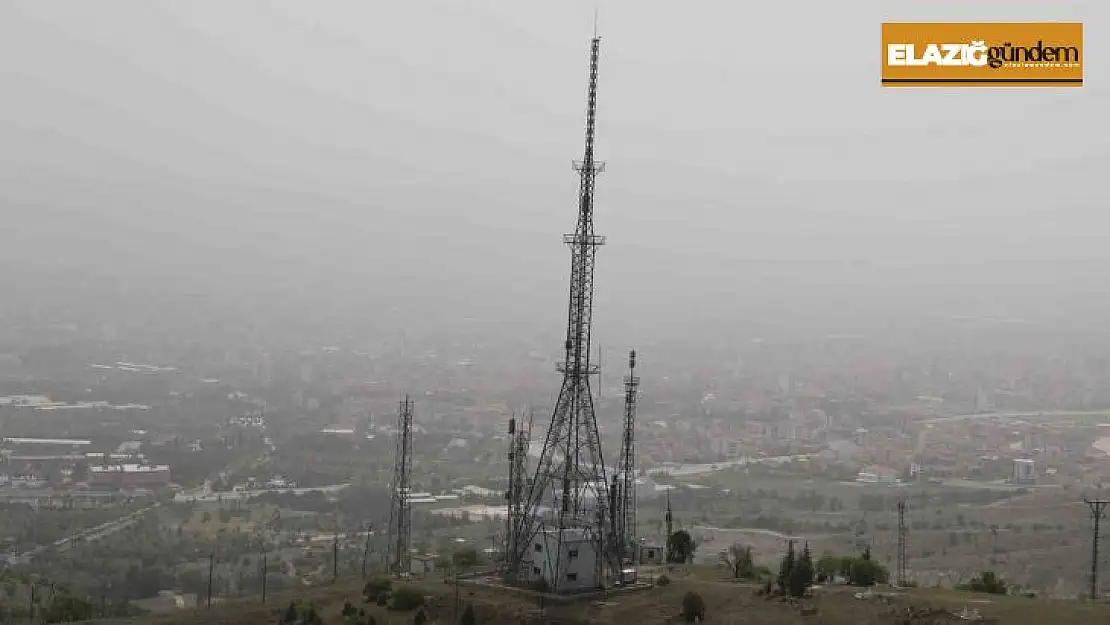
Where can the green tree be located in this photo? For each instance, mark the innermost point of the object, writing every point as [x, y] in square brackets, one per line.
[465, 558]
[680, 547]
[867, 572]
[468, 617]
[693, 607]
[828, 566]
[407, 598]
[377, 587]
[786, 565]
[987, 582]
[66, 609]
[421, 618]
[739, 561]
[800, 575]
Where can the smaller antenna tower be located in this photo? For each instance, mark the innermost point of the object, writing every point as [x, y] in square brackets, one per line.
[519, 440]
[625, 510]
[400, 509]
[1098, 510]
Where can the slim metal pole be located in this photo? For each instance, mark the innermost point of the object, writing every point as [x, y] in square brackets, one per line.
[211, 566]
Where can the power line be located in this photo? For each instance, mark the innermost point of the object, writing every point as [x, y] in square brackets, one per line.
[1098, 508]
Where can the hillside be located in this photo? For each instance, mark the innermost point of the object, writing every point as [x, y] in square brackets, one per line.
[726, 602]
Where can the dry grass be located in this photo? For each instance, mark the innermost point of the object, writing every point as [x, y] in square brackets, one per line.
[726, 603]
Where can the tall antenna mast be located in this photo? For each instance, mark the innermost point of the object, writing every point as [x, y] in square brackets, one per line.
[570, 479]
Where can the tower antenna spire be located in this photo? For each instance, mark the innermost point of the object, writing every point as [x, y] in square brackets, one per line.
[567, 506]
[595, 21]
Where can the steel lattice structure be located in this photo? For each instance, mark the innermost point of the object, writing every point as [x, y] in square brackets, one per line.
[625, 509]
[398, 559]
[518, 459]
[570, 478]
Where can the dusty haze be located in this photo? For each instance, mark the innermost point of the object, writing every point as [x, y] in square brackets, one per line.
[408, 163]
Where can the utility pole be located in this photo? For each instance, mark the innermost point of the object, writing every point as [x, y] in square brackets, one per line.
[335, 558]
[265, 568]
[902, 543]
[366, 549]
[31, 607]
[455, 610]
[1098, 508]
[211, 567]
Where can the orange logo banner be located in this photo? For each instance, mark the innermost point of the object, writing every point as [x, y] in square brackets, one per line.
[989, 54]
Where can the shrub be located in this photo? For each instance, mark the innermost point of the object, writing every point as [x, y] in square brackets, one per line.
[465, 559]
[420, 618]
[662, 581]
[693, 607]
[406, 598]
[987, 582]
[867, 572]
[377, 587]
[468, 617]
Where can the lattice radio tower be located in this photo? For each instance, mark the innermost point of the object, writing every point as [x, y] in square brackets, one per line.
[519, 439]
[625, 510]
[398, 559]
[570, 479]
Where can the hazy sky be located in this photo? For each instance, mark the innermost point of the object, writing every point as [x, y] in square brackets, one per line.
[417, 154]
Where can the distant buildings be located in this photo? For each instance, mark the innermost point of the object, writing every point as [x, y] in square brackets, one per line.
[875, 474]
[128, 476]
[1024, 472]
[729, 448]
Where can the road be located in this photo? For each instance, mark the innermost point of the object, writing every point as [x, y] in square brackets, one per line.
[205, 494]
[1018, 415]
[88, 535]
[111, 527]
[697, 469]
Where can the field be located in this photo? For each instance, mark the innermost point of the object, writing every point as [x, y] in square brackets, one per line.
[1037, 539]
[726, 603]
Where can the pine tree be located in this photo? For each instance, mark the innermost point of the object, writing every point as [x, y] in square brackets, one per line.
[786, 566]
[801, 574]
